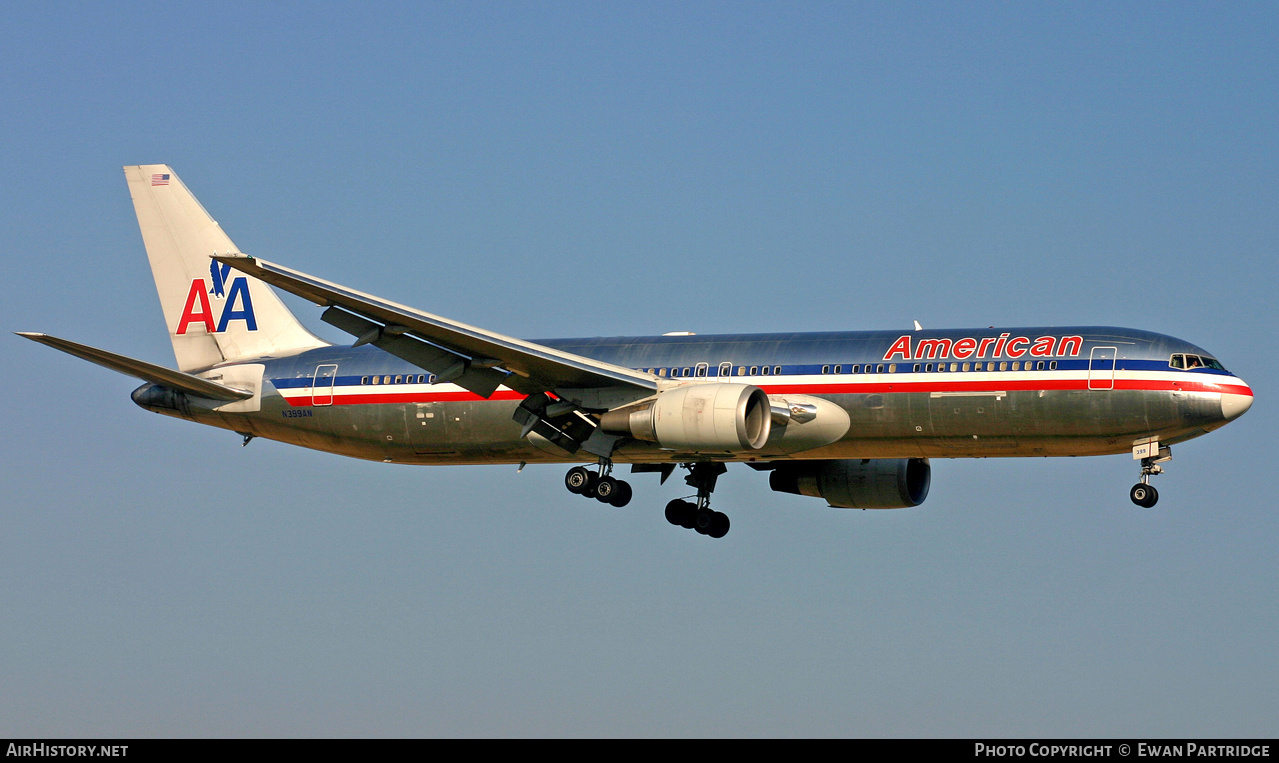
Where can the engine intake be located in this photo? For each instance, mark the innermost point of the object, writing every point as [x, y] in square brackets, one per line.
[698, 418]
[871, 483]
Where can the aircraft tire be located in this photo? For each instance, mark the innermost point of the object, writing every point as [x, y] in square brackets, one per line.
[577, 479]
[1144, 495]
[703, 519]
[677, 512]
[622, 495]
[719, 525]
[605, 489]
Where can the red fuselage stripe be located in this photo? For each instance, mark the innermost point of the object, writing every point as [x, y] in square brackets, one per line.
[1149, 385]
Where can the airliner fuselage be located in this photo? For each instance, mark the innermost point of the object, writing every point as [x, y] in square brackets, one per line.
[907, 395]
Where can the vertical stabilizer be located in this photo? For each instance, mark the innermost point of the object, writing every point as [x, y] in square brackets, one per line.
[213, 313]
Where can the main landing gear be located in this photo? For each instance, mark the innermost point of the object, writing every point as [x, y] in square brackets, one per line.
[1143, 493]
[600, 485]
[694, 515]
[698, 515]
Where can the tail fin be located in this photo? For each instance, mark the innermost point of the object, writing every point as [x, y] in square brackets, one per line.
[213, 313]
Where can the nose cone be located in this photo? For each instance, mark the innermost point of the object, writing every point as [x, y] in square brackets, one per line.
[1233, 405]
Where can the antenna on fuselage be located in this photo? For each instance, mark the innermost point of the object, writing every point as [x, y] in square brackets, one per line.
[918, 327]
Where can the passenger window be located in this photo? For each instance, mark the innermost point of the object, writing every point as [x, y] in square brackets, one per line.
[1003, 366]
[364, 380]
[839, 369]
[661, 372]
[725, 369]
[857, 369]
[916, 368]
[777, 370]
[1052, 366]
[1039, 366]
[685, 372]
[928, 368]
[377, 379]
[879, 369]
[767, 370]
[701, 369]
[430, 379]
[892, 368]
[968, 366]
[741, 370]
[825, 369]
[754, 370]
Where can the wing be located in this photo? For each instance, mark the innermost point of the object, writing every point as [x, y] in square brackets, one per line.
[472, 358]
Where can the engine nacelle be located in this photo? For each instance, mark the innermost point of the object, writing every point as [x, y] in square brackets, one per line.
[698, 418]
[872, 483]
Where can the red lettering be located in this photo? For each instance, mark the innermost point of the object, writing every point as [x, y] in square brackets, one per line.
[1076, 343]
[964, 348]
[932, 348]
[999, 345]
[1043, 347]
[189, 314]
[985, 344]
[1016, 340]
[900, 347]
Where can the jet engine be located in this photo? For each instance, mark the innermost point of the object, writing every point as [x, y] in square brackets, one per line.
[870, 483]
[698, 418]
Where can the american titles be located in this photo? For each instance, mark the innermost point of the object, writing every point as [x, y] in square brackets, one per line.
[1003, 346]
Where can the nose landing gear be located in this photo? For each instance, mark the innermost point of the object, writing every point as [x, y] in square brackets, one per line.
[1143, 493]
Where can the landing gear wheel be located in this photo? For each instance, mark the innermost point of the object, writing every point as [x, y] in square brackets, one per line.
[1144, 495]
[577, 479]
[622, 495]
[719, 525]
[680, 513]
[605, 489]
[703, 520]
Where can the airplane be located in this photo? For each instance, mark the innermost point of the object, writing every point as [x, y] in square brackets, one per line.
[851, 417]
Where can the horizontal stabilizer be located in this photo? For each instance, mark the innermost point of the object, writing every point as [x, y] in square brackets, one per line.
[141, 369]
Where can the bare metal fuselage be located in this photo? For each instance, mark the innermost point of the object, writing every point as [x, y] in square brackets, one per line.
[1115, 390]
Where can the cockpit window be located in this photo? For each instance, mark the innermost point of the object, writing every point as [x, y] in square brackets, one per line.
[1191, 362]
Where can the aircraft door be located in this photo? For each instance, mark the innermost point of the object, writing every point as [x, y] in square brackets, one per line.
[1101, 368]
[322, 384]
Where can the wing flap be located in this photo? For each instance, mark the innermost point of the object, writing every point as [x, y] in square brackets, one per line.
[446, 365]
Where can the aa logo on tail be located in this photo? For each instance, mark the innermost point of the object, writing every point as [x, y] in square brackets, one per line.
[236, 304]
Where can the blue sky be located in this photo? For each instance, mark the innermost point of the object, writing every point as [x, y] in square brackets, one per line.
[561, 169]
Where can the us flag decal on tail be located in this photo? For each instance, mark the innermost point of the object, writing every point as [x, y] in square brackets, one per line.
[159, 180]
